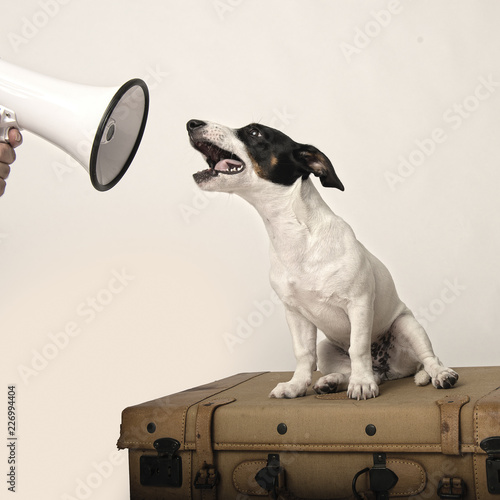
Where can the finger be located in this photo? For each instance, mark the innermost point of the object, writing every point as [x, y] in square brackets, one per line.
[7, 154]
[15, 137]
[4, 171]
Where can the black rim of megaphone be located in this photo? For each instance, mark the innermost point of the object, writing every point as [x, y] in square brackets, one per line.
[102, 126]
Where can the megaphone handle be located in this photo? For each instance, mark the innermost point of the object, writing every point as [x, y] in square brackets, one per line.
[8, 120]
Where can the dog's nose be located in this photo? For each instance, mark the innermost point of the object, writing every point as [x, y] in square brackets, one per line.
[194, 124]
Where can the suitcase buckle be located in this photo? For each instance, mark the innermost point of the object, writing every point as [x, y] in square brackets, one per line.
[452, 488]
[491, 446]
[206, 478]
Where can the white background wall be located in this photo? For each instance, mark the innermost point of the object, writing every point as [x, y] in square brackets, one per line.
[363, 84]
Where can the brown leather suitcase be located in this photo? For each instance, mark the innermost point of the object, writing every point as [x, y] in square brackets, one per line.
[227, 440]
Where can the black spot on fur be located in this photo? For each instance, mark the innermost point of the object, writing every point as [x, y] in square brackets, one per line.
[381, 354]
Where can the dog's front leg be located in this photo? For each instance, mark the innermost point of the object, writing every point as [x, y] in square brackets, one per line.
[362, 384]
[304, 346]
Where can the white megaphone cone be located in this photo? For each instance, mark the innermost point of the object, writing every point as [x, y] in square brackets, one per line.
[100, 127]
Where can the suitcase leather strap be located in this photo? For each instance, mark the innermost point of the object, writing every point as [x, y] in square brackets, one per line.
[168, 414]
[449, 408]
[207, 476]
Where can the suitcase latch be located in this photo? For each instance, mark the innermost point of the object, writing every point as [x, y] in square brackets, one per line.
[271, 477]
[382, 479]
[491, 446]
[164, 469]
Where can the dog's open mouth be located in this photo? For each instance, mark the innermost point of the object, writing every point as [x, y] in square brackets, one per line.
[219, 161]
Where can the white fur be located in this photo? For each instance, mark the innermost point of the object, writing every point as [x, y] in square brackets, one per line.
[328, 280]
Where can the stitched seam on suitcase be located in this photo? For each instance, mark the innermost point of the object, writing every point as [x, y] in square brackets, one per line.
[243, 489]
[450, 410]
[184, 444]
[330, 447]
[420, 470]
[228, 388]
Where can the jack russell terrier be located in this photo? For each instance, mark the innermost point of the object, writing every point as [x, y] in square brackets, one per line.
[324, 276]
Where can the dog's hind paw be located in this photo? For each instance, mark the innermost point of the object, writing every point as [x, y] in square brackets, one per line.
[422, 377]
[288, 390]
[362, 389]
[445, 379]
[334, 382]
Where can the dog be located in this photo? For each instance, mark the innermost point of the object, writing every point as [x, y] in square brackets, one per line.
[326, 279]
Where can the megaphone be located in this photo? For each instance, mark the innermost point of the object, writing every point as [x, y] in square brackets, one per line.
[100, 127]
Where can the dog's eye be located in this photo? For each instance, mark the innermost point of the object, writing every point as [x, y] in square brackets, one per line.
[254, 132]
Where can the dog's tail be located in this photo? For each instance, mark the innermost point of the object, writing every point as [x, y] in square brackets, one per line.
[422, 377]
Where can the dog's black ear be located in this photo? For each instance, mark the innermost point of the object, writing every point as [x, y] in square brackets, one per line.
[315, 162]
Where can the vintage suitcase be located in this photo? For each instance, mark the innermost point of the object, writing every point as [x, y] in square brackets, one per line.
[227, 440]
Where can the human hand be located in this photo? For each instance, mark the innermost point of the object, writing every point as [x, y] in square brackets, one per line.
[8, 156]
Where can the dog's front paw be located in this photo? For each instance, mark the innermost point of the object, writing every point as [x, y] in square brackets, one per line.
[362, 388]
[445, 379]
[288, 390]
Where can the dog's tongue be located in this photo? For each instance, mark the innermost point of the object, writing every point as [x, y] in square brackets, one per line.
[227, 164]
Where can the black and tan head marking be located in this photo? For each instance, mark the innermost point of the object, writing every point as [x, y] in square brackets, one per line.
[279, 159]
[273, 156]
